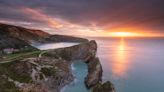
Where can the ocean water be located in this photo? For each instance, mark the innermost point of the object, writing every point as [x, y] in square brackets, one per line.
[80, 72]
[133, 64]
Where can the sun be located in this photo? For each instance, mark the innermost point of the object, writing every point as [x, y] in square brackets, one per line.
[123, 34]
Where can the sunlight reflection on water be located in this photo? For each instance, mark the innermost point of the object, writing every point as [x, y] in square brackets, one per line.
[121, 60]
[133, 64]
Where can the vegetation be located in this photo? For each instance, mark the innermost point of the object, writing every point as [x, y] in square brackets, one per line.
[48, 71]
[106, 87]
[6, 86]
[16, 71]
[26, 49]
[20, 55]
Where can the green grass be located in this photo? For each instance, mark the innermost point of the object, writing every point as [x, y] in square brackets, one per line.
[27, 49]
[23, 53]
[13, 68]
[18, 56]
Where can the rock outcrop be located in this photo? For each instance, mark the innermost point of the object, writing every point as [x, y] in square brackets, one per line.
[83, 51]
[106, 87]
[94, 72]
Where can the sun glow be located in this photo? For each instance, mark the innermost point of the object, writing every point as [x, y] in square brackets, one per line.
[123, 34]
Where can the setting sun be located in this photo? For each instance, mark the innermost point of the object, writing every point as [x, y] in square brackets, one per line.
[123, 34]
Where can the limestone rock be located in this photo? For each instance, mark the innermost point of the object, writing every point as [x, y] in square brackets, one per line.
[94, 72]
[83, 51]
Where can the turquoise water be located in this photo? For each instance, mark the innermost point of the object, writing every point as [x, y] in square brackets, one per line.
[80, 72]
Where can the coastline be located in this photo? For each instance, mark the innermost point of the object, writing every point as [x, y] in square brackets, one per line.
[29, 69]
[62, 58]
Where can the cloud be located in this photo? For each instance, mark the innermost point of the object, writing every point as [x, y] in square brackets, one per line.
[90, 15]
[38, 16]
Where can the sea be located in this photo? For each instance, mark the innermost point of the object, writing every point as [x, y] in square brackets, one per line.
[131, 64]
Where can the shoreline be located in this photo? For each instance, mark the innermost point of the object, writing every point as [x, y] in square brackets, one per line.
[79, 70]
[72, 69]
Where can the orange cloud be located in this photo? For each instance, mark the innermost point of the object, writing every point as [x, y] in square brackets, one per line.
[75, 29]
[64, 26]
[38, 15]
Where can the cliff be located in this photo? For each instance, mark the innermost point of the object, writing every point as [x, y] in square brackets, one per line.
[27, 35]
[44, 71]
[48, 71]
[11, 42]
[85, 52]
[15, 37]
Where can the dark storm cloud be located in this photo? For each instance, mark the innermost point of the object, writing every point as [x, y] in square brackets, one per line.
[148, 14]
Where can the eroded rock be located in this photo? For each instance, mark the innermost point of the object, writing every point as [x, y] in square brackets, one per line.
[94, 72]
[83, 51]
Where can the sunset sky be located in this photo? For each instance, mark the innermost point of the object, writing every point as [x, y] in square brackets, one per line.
[87, 17]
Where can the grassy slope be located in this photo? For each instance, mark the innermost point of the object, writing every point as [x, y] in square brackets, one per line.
[8, 69]
[13, 57]
[21, 55]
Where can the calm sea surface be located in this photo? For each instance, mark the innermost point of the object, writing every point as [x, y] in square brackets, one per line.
[132, 64]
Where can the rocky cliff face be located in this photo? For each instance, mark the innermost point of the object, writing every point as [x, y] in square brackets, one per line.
[11, 42]
[19, 37]
[94, 72]
[27, 35]
[85, 52]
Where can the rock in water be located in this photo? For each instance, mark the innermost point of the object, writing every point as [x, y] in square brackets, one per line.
[85, 52]
[106, 87]
[94, 72]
